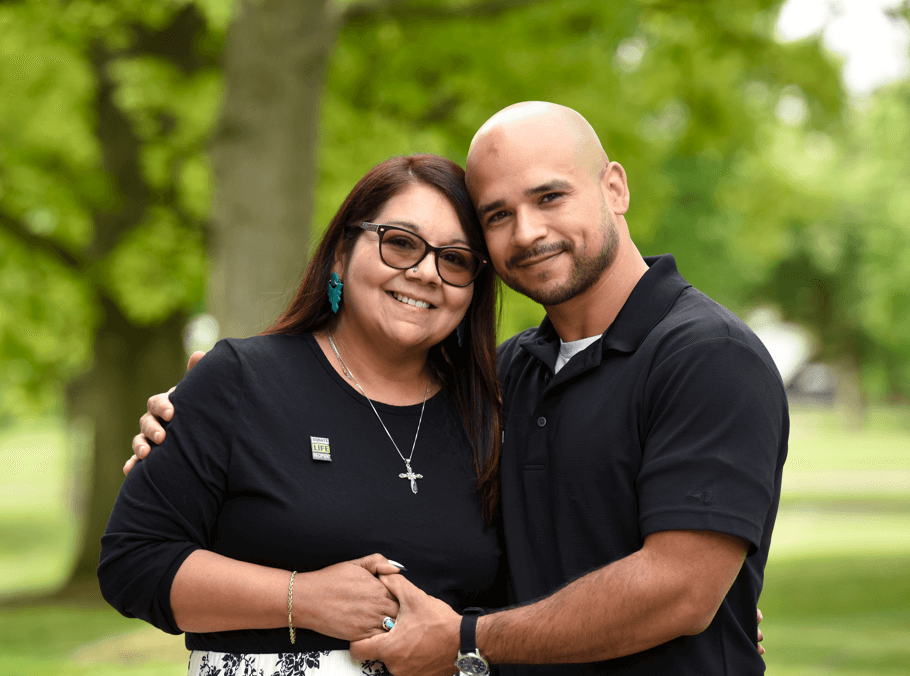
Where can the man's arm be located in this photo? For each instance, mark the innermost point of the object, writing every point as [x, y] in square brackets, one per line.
[672, 587]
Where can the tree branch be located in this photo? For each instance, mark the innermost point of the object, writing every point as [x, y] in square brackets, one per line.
[406, 9]
[186, 27]
[33, 241]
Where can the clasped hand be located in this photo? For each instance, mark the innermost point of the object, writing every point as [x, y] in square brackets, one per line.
[346, 600]
[424, 641]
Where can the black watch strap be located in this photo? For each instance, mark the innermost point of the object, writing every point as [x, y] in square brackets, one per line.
[469, 629]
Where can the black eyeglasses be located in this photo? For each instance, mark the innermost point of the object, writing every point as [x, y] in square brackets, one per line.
[401, 249]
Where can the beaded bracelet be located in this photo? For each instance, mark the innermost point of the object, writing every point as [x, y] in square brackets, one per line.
[290, 605]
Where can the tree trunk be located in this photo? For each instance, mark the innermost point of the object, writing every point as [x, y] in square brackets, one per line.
[264, 158]
[130, 363]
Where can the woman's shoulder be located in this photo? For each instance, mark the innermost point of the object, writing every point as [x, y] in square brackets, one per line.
[268, 354]
[240, 362]
[267, 346]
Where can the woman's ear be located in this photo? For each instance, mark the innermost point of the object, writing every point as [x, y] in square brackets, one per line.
[338, 261]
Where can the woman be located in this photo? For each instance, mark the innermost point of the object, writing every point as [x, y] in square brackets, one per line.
[385, 360]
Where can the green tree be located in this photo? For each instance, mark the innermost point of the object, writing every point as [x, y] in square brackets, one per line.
[880, 210]
[104, 194]
[845, 272]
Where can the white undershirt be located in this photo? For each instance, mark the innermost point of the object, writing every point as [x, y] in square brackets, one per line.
[569, 350]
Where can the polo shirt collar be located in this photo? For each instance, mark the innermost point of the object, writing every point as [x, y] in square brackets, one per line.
[648, 303]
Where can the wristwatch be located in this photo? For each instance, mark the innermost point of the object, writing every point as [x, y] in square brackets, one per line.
[470, 661]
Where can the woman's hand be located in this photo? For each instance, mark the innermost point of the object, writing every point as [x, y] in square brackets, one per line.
[211, 592]
[345, 600]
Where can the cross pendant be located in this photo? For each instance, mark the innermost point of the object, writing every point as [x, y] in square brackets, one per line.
[410, 475]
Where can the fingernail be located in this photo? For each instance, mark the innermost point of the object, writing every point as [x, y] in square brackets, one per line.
[397, 565]
[157, 437]
[141, 452]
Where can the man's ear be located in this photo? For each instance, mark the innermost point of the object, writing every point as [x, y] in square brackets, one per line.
[616, 188]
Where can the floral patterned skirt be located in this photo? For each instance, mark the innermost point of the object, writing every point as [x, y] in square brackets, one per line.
[319, 662]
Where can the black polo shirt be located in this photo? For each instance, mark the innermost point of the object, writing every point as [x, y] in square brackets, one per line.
[675, 419]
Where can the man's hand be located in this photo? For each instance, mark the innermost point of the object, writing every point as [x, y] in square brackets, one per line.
[425, 639]
[159, 406]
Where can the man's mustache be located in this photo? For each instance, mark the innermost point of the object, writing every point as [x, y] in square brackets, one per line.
[538, 251]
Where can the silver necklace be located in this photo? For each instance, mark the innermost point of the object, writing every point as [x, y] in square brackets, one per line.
[409, 475]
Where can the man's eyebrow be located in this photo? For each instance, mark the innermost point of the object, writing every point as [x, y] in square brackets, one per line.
[550, 186]
[407, 225]
[492, 206]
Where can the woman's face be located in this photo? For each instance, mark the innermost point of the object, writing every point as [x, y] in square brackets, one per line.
[407, 308]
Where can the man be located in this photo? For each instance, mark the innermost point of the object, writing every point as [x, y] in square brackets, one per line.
[646, 432]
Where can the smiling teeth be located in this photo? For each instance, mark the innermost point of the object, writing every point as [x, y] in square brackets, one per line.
[411, 301]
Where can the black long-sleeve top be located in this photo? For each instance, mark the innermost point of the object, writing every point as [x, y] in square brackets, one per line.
[237, 475]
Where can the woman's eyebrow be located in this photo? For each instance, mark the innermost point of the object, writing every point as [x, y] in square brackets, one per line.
[416, 229]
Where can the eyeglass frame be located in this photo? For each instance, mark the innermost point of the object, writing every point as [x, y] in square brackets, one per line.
[428, 248]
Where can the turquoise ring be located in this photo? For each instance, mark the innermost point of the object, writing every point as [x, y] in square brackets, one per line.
[388, 624]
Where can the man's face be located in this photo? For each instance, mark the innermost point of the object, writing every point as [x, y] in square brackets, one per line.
[548, 226]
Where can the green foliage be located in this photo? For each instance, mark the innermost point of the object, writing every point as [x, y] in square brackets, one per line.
[810, 215]
[70, 227]
[157, 268]
[881, 221]
[173, 113]
[46, 317]
[844, 269]
[48, 184]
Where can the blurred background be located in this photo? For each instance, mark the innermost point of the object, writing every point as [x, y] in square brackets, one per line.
[165, 166]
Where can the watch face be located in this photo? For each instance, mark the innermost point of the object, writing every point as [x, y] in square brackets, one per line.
[472, 664]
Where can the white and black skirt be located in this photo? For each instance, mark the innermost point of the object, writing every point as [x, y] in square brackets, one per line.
[314, 663]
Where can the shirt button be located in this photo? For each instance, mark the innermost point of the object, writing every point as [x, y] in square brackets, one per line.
[541, 421]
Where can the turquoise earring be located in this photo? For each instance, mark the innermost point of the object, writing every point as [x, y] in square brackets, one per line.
[335, 287]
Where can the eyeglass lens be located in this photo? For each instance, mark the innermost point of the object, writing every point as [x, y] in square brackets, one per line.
[401, 249]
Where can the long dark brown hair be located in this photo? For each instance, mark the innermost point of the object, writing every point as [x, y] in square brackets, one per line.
[466, 373]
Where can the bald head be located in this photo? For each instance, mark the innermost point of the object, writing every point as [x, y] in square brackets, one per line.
[551, 127]
[552, 207]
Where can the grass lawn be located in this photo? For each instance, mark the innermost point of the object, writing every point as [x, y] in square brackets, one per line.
[76, 639]
[837, 614]
[837, 587]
